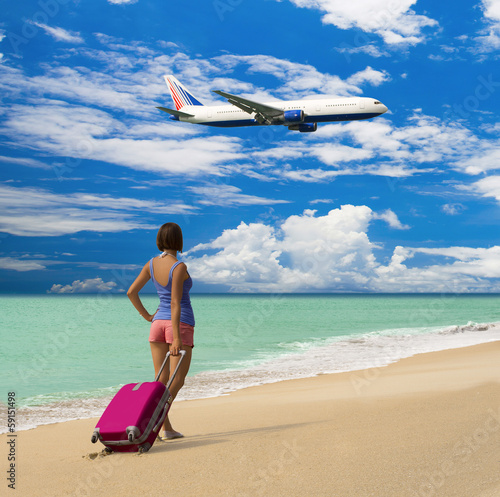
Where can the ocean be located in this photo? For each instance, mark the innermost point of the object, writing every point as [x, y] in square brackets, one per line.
[64, 356]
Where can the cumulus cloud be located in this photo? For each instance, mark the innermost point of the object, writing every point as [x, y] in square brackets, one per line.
[308, 253]
[324, 250]
[95, 285]
[395, 22]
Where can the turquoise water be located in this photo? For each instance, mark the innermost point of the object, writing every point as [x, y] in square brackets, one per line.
[68, 348]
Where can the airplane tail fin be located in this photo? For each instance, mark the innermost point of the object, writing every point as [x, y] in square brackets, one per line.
[180, 95]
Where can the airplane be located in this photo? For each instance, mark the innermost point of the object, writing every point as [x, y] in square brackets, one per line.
[299, 115]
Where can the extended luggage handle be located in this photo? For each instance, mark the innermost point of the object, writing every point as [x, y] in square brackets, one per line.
[182, 353]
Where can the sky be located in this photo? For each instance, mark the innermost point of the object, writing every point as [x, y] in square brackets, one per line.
[90, 169]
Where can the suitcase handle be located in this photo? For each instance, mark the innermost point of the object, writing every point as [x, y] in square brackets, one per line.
[182, 353]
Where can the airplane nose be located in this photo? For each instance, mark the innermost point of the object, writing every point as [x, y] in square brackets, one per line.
[384, 109]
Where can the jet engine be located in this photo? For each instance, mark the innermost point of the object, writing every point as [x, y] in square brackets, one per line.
[293, 116]
[304, 127]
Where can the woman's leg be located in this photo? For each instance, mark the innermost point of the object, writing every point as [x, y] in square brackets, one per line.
[180, 376]
[159, 351]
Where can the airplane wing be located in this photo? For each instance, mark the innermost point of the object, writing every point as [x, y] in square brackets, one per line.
[264, 112]
[175, 112]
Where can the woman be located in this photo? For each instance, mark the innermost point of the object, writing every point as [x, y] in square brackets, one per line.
[172, 325]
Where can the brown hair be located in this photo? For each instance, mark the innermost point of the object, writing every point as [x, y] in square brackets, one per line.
[169, 237]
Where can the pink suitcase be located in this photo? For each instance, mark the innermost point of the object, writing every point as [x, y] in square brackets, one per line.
[134, 416]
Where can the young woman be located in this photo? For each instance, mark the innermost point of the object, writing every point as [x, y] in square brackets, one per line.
[172, 325]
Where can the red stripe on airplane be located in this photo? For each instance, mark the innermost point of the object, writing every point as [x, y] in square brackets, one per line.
[177, 100]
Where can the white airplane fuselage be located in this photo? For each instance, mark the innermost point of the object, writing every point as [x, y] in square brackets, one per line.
[299, 115]
[315, 111]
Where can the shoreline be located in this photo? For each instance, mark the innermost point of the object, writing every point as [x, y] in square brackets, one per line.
[427, 425]
[349, 355]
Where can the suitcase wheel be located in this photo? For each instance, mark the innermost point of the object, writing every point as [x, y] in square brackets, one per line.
[144, 448]
[107, 450]
[95, 437]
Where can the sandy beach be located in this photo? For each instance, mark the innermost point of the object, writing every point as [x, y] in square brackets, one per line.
[426, 426]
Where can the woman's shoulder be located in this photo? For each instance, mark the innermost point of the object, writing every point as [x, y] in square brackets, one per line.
[180, 265]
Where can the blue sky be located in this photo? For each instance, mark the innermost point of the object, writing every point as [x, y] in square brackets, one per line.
[406, 202]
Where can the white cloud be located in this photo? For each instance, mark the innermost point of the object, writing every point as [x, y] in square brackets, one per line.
[368, 48]
[300, 80]
[369, 75]
[84, 120]
[335, 153]
[96, 285]
[395, 22]
[453, 209]
[484, 159]
[390, 217]
[25, 161]
[75, 122]
[334, 253]
[122, 2]
[84, 133]
[489, 38]
[322, 250]
[38, 212]
[475, 262]
[20, 265]
[487, 187]
[380, 148]
[60, 34]
[228, 195]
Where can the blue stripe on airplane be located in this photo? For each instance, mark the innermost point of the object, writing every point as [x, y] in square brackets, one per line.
[188, 98]
[308, 119]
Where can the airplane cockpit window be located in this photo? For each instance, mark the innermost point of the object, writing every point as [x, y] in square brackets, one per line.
[377, 103]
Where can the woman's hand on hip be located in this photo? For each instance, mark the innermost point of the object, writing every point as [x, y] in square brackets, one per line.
[149, 317]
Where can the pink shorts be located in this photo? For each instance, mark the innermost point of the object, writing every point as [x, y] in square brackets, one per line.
[161, 331]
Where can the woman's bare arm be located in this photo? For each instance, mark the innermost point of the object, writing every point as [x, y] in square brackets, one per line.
[135, 288]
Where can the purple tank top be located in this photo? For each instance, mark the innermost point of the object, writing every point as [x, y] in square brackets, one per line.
[165, 295]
